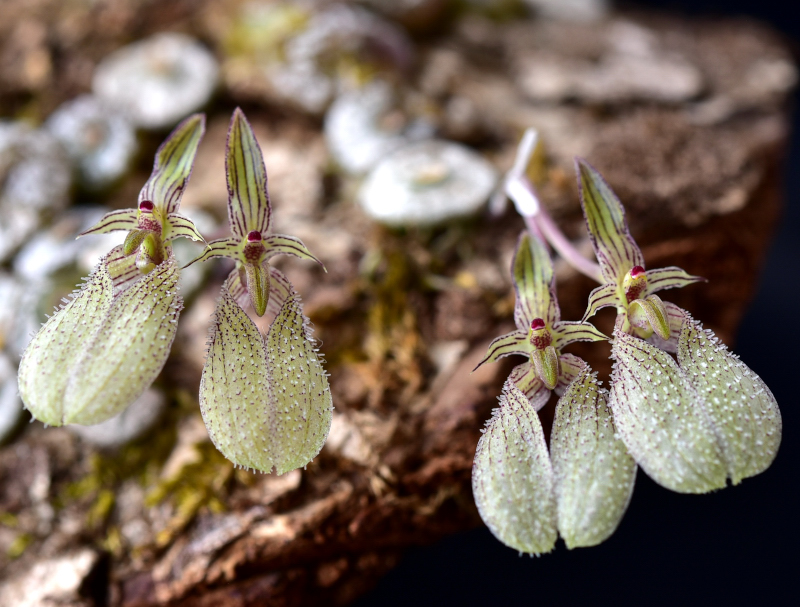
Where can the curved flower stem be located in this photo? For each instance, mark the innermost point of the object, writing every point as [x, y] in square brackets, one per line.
[541, 225]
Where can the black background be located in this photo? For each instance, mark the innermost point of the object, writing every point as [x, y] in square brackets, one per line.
[733, 547]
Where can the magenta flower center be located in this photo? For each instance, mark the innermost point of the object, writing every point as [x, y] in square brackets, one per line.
[147, 206]
[536, 324]
[637, 271]
[254, 236]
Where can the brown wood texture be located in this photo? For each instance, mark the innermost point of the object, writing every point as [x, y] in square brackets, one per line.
[698, 171]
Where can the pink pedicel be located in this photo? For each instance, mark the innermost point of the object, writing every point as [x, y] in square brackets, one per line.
[536, 324]
[147, 206]
[636, 271]
[254, 236]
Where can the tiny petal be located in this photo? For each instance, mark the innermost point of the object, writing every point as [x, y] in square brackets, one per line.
[280, 244]
[602, 297]
[744, 412]
[224, 247]
[126, 219]
[594, 475]
[650, 314]
[547, 366]
[257, 286]
[512, 477]
[179, 226]
[506, 345]
[662, 419]
[567, 332]
[669, 278]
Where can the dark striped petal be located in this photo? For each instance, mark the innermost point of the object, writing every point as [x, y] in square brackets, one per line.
[126, 219]
[532, 272]
[180, 226]
[571, 367]
[602, 297]
[173, 165]
[567, 332]
[669, 278]
[662, 419]
[280, 244]
[304, 406]
[506, 345]
[744, 412]
[525, 379]
[594, 474]
[616, 250]
[248, 202]
[224, 247]
[512, 477]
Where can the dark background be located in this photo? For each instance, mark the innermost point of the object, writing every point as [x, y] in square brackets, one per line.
[733, 547]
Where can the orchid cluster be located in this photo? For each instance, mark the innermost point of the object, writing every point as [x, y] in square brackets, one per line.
[265, 398]
[691, 421]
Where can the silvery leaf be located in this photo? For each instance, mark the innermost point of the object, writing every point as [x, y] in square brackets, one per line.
[594, 474]
[662, 418]
[742, 408]
[512, 477]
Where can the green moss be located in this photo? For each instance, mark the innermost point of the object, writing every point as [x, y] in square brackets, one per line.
[19, 545]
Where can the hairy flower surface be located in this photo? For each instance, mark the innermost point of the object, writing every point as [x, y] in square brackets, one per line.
[693, 424]
[102, 349]
[582, 487]
[265, 399]
[250, 216]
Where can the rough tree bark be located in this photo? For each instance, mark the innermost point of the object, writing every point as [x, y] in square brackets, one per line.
[688, 123]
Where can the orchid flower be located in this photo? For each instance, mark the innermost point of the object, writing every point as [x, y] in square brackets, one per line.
[582, 487]
[265, 399]
[540, 334]
[690, 424]
[250, 216]
[102, 349]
